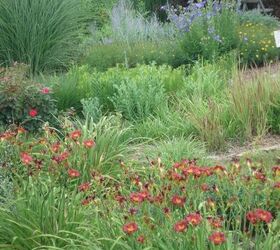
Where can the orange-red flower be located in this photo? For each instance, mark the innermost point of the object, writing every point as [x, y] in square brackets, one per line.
[194, 219]
[45, 90]
[130, 228]
[73, 173]
[76, 134]
[178, 200]
[277, 185]
[180, 226]
[55, 147]
[26, 158]
[84, 187]
[215, 222]
[259, 215]
[217, 238]
[204, 187]
[89, 143]
[136, 197]
[141, 239]
[33, 112]
[120, 198]
[276, 170]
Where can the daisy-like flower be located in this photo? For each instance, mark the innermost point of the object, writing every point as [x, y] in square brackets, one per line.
[130, 228]
[194, 219]
[26, 158]
[75, 134]
[259, 215]
[178, 200]
[73, 173]
[89, 143]
[136, 197]
[141, 239]
[180, 226]
[84, 187]
[217, 238]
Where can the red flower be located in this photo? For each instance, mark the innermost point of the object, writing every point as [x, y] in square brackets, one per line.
[141, 239]
[194, 219]
[204, 187]
[120, 198]
[180, 226]
[136, 197]
[130, 228]
[252, 217]
[264, 215]
[215, 222]
[178, 200]
[76, 134]
[217, 238]
[84, 187]
[276, 170]
[45, 90]
[33, 112]
[166, 210]
[55, 147]
[26, 158]
[73, 173]
[277, 185]
[259, 215]
[89, 143]
[260, 176]
[86, 201]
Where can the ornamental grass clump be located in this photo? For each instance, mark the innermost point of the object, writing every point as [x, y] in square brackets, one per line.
[43, 33]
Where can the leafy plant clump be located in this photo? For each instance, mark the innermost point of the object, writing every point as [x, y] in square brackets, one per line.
[24, 102]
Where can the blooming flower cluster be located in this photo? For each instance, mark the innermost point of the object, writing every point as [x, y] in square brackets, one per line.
[192, 202]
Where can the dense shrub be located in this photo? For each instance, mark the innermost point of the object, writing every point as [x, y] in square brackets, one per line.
[208, 30]
[22, 101]
[82, 83]
[257, 45]
[105, 56]
[42, 33]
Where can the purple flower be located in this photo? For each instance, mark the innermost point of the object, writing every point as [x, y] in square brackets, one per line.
[201, 4]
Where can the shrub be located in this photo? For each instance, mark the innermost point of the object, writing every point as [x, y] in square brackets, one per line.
[22, 101]
[43, 33]
[137, 99]
[208, 31]
[104, 56]
[257, 46]
[129, 26]
[257, 18]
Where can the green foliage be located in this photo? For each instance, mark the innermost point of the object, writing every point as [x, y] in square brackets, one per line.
[92, 109]
[139, 98]
[112, 143]
[43, 33]
[258, 18]
[44, 216]
[105, 56]
[98, 10]
[251, 102]
[274, 116]
[70, 88]
[176, 149]
[258, 45]
[19, 96]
